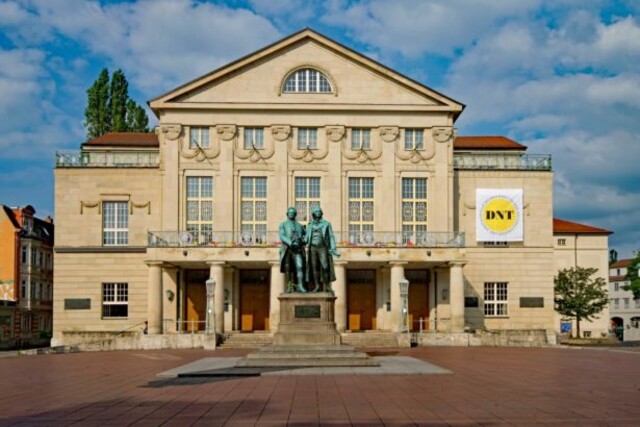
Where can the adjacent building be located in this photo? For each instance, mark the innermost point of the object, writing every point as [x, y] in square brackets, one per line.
[26, 277]
[624, 309]
[144, 220]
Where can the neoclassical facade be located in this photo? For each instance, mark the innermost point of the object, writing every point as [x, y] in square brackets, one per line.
[145, 219]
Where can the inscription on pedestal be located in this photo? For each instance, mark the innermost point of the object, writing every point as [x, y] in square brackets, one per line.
[307, 311]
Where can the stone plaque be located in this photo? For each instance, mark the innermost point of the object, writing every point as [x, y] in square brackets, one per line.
[470, 302]
[531, 302]
[77, 304]
[307, 312]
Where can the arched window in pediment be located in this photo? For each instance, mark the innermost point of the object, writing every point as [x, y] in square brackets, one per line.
[307, 80]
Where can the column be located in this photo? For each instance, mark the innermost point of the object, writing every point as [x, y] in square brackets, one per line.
[397, 274]
[169, 299]
[456, 296]
[154, 298]
[340, 290]
[216, 272]
[277, 288]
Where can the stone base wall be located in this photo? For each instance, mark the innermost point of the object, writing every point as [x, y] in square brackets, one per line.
[504, 338]
[105, 341]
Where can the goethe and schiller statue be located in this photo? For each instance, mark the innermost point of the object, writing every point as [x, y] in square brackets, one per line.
[311, 270]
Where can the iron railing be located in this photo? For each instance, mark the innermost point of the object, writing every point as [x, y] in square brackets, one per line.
[107, 159]
[502, 161]
[230, 239]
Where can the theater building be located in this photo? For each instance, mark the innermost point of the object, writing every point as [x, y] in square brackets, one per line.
[143, 220]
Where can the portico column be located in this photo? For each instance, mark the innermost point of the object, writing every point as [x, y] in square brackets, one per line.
[456, 296]
[340, 290]
[277, 288]
[216, 272]
[169, 304]
[397, 274]
[154, 297]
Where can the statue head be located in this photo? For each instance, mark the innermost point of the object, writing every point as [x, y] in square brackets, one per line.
[316, 213]
[292, 213]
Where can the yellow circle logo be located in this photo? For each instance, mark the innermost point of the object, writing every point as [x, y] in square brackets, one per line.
[499, 214]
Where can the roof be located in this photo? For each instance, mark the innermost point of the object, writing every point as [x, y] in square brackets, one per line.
[12, 217]
[621, 263]
[486, 143]
[160, 101]
[563, 226]
[124, 139]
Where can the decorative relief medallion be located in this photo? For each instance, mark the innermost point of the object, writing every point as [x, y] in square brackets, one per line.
[281, 132]
[442, 134]
[335, 133]
[226, 132]
[170, 131]
[389, 133]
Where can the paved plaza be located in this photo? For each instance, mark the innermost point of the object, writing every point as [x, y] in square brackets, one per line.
[445, 386]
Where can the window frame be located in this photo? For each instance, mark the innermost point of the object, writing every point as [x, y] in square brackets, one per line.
[202, 228]
[301, 80]
[255, 199]
[306, 200]
[304, 138]
[253, 132]
[117, 299]
[360, 225]
[411, 228]
[358, 140]
[498, 296]
[202, 140]
[120, 211]
[411, 140]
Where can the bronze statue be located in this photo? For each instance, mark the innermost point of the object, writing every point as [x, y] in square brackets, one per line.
[322, 249]
[292, 257]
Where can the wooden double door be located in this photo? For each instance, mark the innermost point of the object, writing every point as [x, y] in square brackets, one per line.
[254, 300]
[361, 300]
[418, 298]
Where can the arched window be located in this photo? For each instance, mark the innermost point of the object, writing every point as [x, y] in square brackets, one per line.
[307, 80]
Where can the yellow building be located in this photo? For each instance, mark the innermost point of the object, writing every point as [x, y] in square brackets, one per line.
[144, 220]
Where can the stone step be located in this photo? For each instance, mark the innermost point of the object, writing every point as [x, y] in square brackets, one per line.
[318, 362]
[247, 340]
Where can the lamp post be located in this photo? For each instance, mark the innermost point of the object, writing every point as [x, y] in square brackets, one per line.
[404, 296]
[211, 288]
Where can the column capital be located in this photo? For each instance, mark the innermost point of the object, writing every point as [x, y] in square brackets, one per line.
[457, 263]
[154, 263]
[215, 263]
[398, 263]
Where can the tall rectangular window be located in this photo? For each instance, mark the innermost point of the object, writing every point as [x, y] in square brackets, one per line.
[115, 300]
[413, 139]
[616, 303]
[24, 254]
[361, 205]
[200, 207]
[496, 302]
[307, 138]
[199, 137]
[307, 197]
[253, 209]
[414, 209]
[626, 303]
[361, 139]
[253, 138]
[115, 223]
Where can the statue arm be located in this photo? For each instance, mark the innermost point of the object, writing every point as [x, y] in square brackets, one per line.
[282, 232]
[332, 241]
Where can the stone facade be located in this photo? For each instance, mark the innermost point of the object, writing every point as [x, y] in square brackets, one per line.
[237, 146]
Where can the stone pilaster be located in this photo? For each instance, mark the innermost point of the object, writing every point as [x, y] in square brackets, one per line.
[277, 288]
[340, 290]
[154, 298]
[216, 272]
[397, 274]
[456, 296]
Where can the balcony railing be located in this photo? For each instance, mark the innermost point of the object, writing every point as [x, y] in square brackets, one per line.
[107, 159]
[522, 162]
[369, 239]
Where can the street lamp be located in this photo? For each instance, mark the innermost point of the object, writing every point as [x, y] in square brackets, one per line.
[404, 296]
[211, 289]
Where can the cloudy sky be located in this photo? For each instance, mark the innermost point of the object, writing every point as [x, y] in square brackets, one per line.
[561, 76]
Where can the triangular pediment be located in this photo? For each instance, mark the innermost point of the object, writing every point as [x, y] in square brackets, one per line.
[355, 79]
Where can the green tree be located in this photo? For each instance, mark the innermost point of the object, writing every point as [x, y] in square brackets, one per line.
[613, 256]
[109, 108]
[633, 276]
[97, 117]
[578, 295]
[118, 97]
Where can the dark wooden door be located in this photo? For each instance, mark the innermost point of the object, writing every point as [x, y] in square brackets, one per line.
[418, 298]
[361, 300]
[196, 307]
[254, 300]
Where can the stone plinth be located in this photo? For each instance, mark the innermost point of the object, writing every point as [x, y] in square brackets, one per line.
[307, 319]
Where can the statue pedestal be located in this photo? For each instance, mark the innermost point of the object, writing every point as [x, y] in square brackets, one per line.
[306, 337]
[307, 319]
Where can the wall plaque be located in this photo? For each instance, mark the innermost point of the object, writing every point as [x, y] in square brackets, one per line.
[531, 302]
[307, 312]
[77, 304]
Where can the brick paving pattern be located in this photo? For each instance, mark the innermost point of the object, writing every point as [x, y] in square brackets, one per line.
[488, 386]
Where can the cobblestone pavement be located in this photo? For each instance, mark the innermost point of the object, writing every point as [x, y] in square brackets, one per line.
[487, 386]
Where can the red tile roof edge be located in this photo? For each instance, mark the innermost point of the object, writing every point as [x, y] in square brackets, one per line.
[486, 142]
[621, 263]
[124, 139]
[563, 226]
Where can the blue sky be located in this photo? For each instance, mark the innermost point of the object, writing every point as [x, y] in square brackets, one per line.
[561, 76]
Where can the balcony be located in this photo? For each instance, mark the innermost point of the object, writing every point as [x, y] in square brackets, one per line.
[107, 159]
[519, 162]
[368, 239]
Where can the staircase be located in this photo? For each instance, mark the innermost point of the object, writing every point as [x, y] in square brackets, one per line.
[247, 340]
[370, 339]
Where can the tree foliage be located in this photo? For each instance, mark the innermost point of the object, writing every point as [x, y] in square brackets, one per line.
[633, 277]
[579, 295]
[109, 108]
